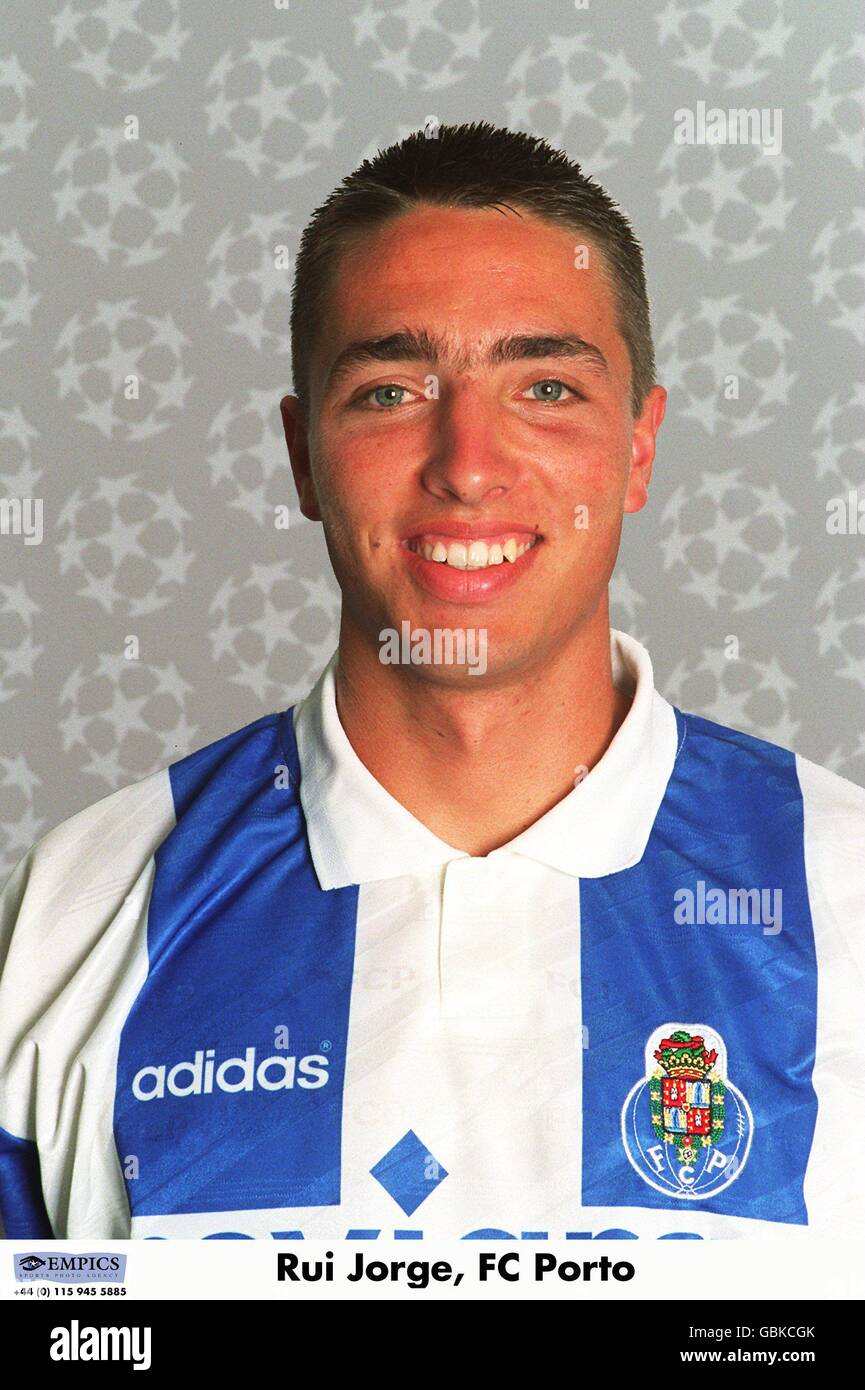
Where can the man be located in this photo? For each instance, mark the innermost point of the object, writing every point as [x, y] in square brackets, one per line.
[484, 936]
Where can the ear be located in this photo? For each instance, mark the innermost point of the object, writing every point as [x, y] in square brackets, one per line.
[297, 440]
[645, 430]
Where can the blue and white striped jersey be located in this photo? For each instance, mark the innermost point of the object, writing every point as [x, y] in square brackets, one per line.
[251, 995]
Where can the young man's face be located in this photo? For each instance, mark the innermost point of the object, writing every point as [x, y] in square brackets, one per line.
[466, 430]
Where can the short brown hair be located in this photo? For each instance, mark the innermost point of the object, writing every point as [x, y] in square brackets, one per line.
[471, 166]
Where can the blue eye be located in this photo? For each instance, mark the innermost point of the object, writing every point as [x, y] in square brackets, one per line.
[555, 394]
[381, 397]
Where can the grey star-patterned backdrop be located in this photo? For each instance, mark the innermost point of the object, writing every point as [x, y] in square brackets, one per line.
[159, 160]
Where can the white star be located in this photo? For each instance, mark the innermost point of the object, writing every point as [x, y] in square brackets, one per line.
[23, 833]
[271, 102]
[111, 313]
[669, 22]
[167, 46]
[703, 238]
[397, 66]
[166, 507]
[219, 113]
[168, 221]
[17, 773]
[65, 24]
[118, 16]
[95, 65]
[103, 591]
[20, 660]
[320, 74]
[171, 682]
[167, 160]
[324, 130]
[167, 334]
[171, 394]
[468, 44]
[365, 24]
[16, 133]
[105, 765]
[255, 677]
[124, 714]
[101, 415]
[98, 239]
[250, 153]
[418, 16]
[173, 568]
[73, 727]
[618, 69]
[223, 637]
[830, 630]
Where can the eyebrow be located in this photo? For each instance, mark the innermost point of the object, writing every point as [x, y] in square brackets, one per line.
[419, 346]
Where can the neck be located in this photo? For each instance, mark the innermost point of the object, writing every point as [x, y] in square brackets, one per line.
[477, 765]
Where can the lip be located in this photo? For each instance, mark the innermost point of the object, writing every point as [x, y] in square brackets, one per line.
[468, 586]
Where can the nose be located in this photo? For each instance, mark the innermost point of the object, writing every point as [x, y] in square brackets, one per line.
[468, 460]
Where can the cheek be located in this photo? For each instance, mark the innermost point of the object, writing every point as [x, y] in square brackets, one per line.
[592, 469]
[355, 506]
[346, 481]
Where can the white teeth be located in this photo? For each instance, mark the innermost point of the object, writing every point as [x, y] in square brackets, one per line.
[476, 555]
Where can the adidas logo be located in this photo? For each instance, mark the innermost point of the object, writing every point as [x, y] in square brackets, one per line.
[202, 1076]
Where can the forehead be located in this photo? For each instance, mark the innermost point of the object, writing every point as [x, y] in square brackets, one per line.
[473, 275]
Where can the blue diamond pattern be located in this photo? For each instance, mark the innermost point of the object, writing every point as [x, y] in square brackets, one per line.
[408, 1172]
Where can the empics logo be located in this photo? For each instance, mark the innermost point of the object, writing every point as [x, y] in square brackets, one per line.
[66, 1267]
[202, 1076]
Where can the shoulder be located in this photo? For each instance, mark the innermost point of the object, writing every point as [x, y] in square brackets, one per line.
[70, 914]
[833, 804]
[226, 770]
[834, 818]
[92, 849]
[730, 780]
[83, 868]
[830, 801]
[709, 740]
[726, 781]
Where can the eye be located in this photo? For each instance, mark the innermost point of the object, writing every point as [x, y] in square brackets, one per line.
[551, 389]
[386, 396]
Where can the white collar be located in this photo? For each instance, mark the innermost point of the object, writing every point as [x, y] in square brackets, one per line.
[359, 833]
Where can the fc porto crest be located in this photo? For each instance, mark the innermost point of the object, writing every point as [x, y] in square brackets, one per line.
[686, 1128]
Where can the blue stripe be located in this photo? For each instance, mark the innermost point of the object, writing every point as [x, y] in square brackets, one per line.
[732, 816]
[242, 942]
[23, 1214]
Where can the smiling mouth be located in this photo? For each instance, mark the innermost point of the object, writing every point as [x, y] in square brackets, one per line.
[471, 554]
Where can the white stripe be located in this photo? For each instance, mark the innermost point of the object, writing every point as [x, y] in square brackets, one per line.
[75, 962]
[835, 867]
